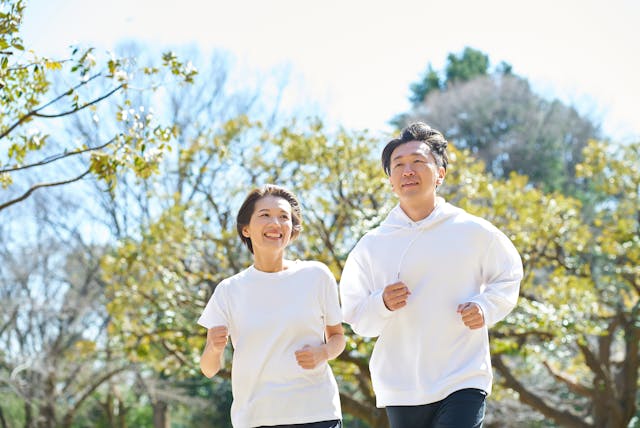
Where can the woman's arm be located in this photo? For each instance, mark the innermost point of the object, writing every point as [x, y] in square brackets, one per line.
[217, 338]
[310, 357]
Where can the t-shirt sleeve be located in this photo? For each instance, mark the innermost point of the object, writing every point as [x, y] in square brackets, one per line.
[332, 312]
[214, 313]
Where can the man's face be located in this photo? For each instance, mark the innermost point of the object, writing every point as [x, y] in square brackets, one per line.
[414, 171]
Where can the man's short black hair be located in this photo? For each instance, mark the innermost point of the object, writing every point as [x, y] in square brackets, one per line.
[418, 131]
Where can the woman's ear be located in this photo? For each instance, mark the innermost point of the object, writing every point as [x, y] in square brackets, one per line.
[245, 232]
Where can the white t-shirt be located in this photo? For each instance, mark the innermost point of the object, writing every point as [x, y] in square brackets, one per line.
[269, 317]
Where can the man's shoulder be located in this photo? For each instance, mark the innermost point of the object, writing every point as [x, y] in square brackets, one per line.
[475, 222]
[371, 235]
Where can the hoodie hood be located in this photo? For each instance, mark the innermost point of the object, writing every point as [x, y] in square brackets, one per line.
[398, 219]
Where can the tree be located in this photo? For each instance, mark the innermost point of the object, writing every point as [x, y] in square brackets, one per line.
[504, 123]
[32, 107]
[570, 349]
[144, 215]
[192, 244]
[468, 65]
[51, 329]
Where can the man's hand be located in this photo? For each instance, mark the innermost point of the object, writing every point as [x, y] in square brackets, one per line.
[309, 357]
[395, 296]
[472, 315]
[217, 338]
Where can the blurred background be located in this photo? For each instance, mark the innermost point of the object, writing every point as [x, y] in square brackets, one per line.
[130, 133]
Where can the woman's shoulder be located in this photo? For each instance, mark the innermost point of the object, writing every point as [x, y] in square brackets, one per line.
[234, 279]
[313, 266]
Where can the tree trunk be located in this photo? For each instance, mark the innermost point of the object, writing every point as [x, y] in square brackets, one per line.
[28, 415]
[160, 414]
[47, 412]
[2, 421]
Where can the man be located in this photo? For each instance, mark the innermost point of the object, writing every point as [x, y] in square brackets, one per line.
[428, 282]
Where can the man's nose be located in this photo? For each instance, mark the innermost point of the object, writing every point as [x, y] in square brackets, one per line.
[407, 170]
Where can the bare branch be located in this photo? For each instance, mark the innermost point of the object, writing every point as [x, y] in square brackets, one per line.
[529, 398]
[82, 107]
[573, 386]
[59, 156]
[41, 185]
[70, 414]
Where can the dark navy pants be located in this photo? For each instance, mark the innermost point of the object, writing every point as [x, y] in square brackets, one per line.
[323, 424]
[461, 409]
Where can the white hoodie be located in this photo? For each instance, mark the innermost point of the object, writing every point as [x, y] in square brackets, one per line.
[424, 352]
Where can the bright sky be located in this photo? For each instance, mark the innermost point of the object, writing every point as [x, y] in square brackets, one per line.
[358, 58]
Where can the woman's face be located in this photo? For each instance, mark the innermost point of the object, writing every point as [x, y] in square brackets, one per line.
[270, 226]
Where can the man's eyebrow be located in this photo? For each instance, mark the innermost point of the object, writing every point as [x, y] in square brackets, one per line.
[407, 155]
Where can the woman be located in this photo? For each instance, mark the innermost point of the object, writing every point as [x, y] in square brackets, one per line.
[277, 313]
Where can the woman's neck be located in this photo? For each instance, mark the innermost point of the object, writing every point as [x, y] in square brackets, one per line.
[273, 262]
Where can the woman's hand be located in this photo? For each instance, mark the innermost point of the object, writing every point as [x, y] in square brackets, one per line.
[217, 338]
[309, 357]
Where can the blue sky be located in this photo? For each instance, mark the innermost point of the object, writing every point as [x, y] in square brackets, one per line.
[353, 60]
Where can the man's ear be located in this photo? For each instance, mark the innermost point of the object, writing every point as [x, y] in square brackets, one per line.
[441, 174]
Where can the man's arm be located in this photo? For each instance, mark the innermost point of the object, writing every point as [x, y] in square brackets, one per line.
[501, 274]
[363, 308]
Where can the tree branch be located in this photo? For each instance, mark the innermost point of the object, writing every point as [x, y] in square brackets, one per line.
[56, 99]
[82, 107]
[354, 407]
[71, 413]
[527, 397]
[573, 386]
[59, 156]
[41, 185]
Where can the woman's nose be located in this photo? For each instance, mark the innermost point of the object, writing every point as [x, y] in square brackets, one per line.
[274, 219]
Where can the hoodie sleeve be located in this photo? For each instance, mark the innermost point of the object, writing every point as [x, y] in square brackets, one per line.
[362, 306]
[501, 275]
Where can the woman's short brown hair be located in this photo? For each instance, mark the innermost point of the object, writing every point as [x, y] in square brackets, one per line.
[249, 205]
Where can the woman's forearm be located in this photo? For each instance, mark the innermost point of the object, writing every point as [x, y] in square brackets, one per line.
[210, 361]
[335, 345]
